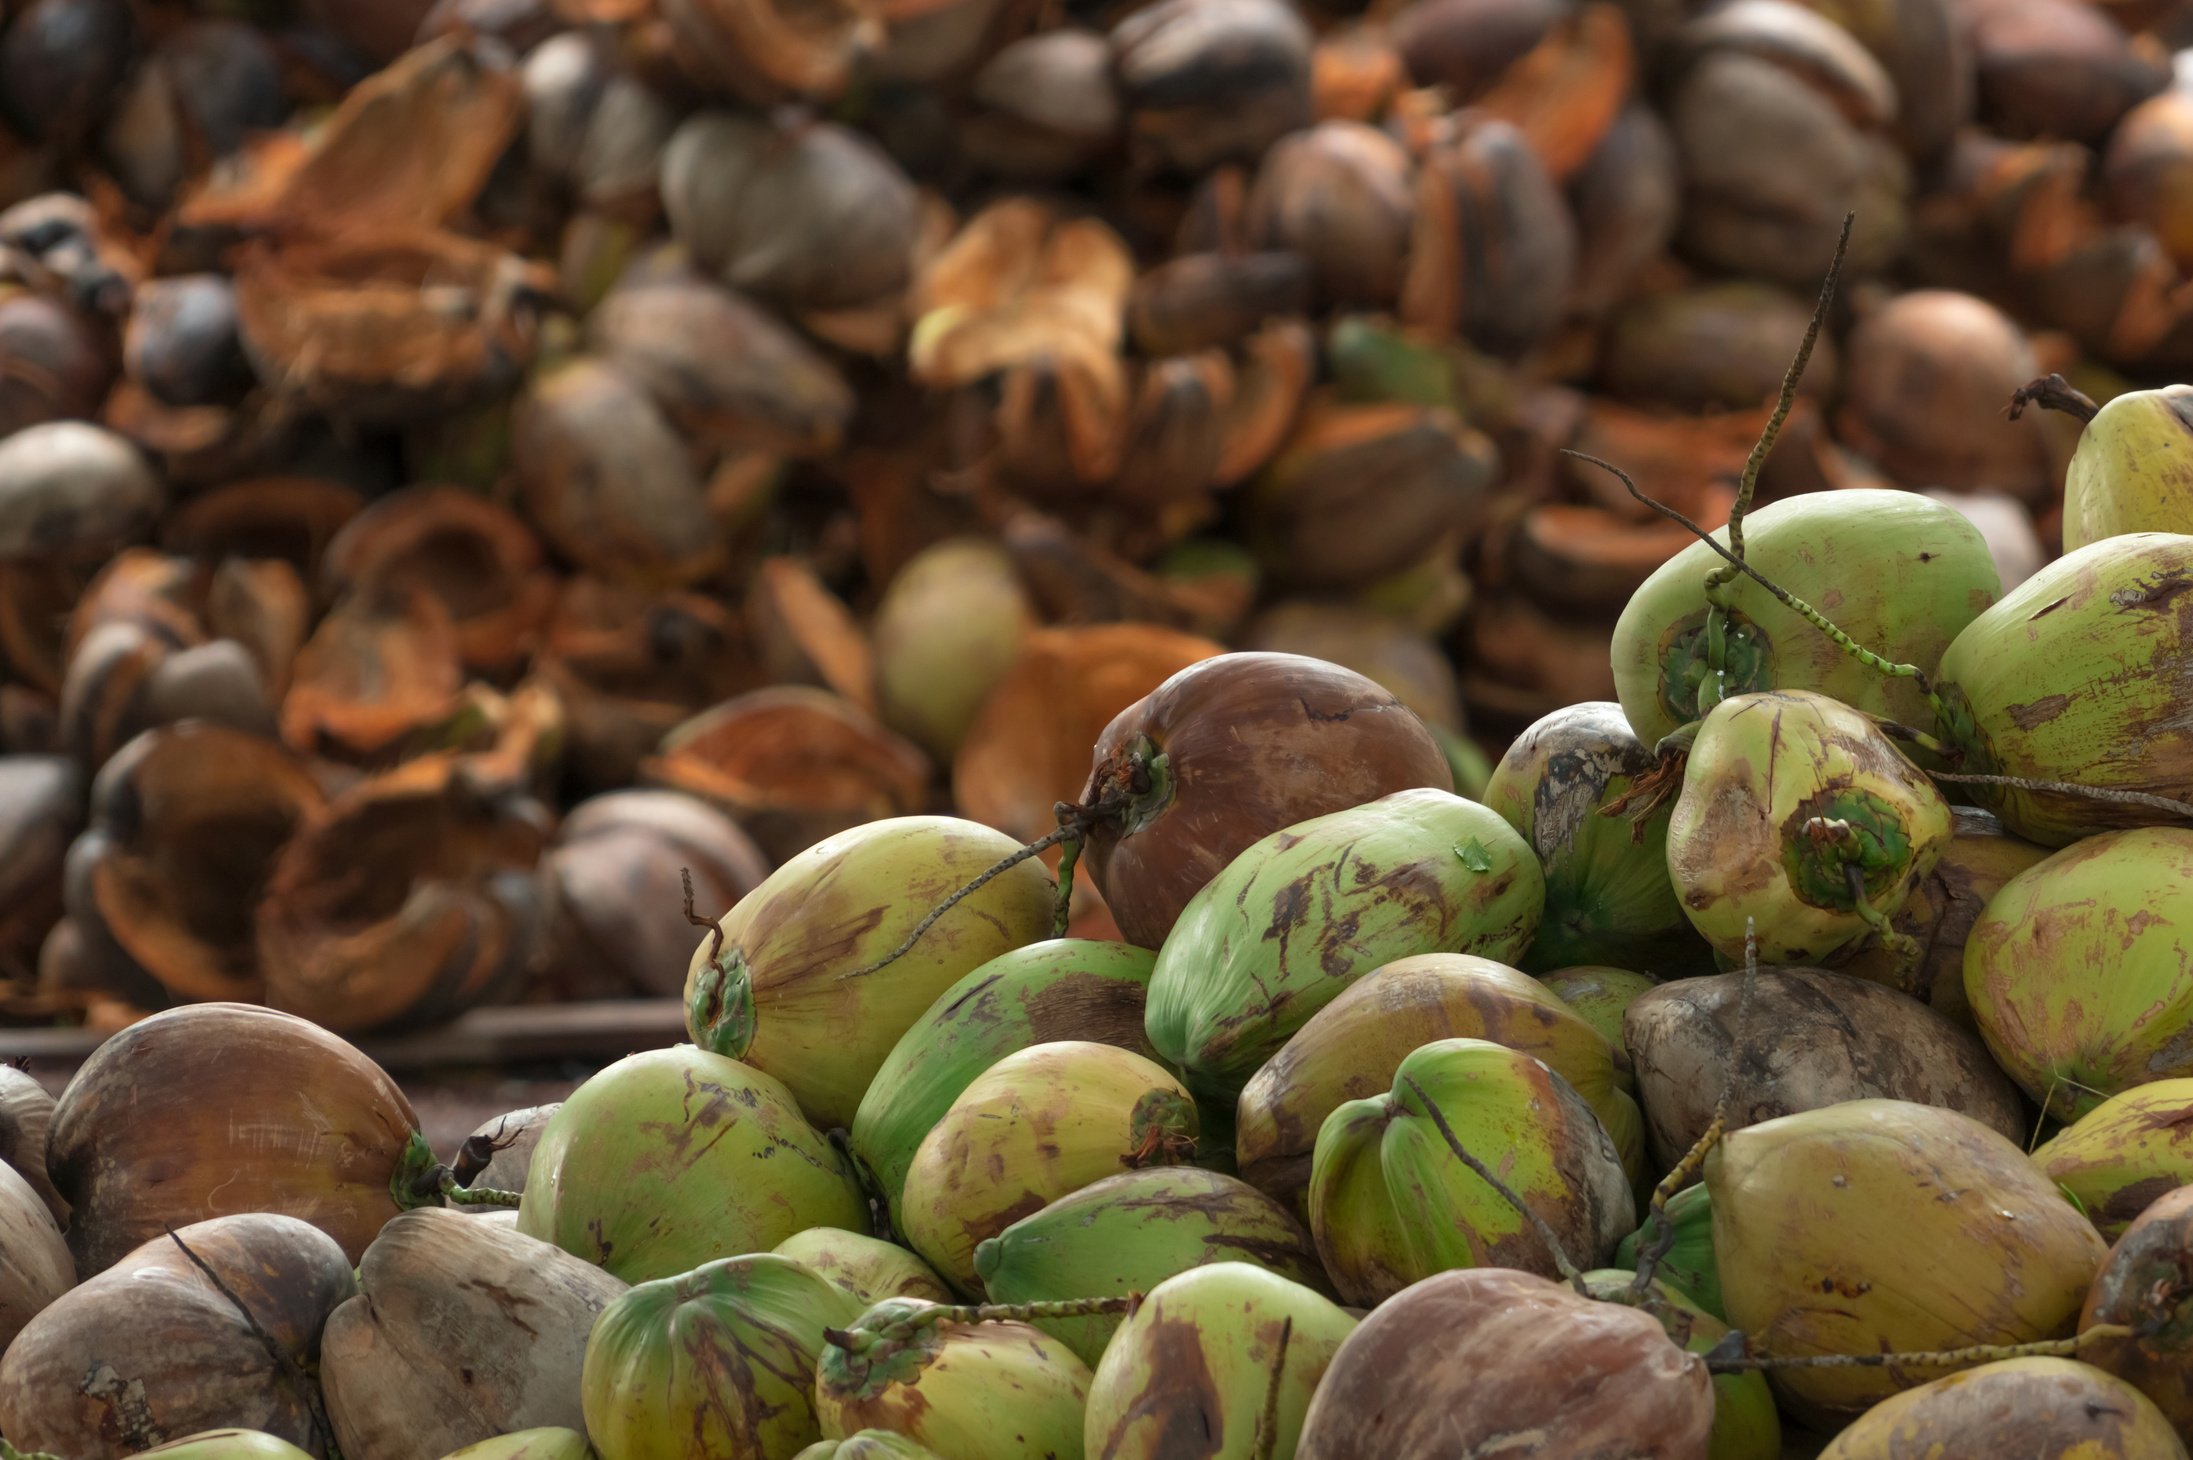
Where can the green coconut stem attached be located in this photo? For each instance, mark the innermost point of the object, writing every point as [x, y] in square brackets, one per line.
[479, 1196]
[2069, 788]
[421, 1181]
[1901, 947]
[1876, 662]
[1655, 1252]
[1570, 1272]
[1897, 730]
[1069, 854]
[1071, 831]
[2052, 393]
[1950, 1358]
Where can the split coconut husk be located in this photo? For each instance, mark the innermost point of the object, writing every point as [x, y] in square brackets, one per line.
[461, 1331]
[215, 1324]
[1835, 1038]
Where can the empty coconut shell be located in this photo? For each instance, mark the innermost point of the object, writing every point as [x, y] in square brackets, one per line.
[255, 1110]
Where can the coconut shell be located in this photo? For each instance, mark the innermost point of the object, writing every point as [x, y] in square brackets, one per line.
[2079, 988]
[1834, 1038]
[1485, 1357]
[35, 1266]
[1350, 1049]
[26, 1113]
[1883, 1226]
[256, 1109]
[2125, 1153]
[2143, 1286]
[868, 1268]
[461, 1331]
[2050, 1409]
[152, 1348]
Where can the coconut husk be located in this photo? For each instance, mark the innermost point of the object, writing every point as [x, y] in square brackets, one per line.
[1564, 93]
[41, 810]
[291, 518]
[383, 664]
[805, 634]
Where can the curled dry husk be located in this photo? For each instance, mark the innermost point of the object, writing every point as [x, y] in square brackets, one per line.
[618, 862]
[1783, 793]
[1882, 1226]
[1231, 750]
[2124, 1154]
[1834, 1038]
[789, 988]
[2143, 1286]
[1060, 988]
[152, 1349]
[2016, 685]
[1493, 251]
[1036, 1126]
[1224, 1358]
[1929, 573]
[2044, 1407]
[944, 1385]
[2079, 988]
[1608, 897]
[793, 765]
[1390, 1203]
[461, 1331]
[652, 1167]
[454, 908]
[257, 1109]
[1027, 748]
[1981, 857]
[1350, 1049]
[1301, 914]
[1131, 1232]
[869, 1268]
[35, 1266]
[722, 1357]
[1492, 1356]
[382, 666]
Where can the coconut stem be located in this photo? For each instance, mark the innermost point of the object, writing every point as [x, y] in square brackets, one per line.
[714, 926]
[1901, 947]
[1570, 1272]
[2053, 393]
[1656, 1214]
[1949, 1358]
[1876, 662]
[1069, 854]
[2068, 788]
[485, 1196]
[1069, 830]
[1267, 1422]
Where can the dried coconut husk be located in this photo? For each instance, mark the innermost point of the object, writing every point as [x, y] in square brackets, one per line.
[1356, 72]
[629, 666]
[792, 765]
[41, 810]
[805, 634]
[1017, 283]
[762, 53]
[385, 662]
[478, 558]
[1030, 745]
[407, 899]
[1521, 660]
[1493, 254]
[145, 588]
[619, 861]
[1202, 300]
[1271, 380]
[262, 606]
[1689, 462]
[186, 824]
[410, 146]
[1043, 108]
[104, 698]
[1075, 581]
[57, 367]
[1627, 201]
[1587, 559]
[290, 518]
[36, 598]
[388, 326]
[1564, 93]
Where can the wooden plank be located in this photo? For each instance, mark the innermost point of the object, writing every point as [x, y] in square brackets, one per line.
[521, 1033]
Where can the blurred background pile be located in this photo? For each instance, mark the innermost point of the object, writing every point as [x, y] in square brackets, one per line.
[462, 462]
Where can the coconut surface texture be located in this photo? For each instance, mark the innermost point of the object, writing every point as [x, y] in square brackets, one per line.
[2045, 1409]
[2133, 469]
[2146, 1286]
[2126, 1153]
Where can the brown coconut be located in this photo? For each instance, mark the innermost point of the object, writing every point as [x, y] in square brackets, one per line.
[2147, 1286]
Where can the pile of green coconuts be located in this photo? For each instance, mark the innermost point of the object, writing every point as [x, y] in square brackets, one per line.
[1796, 1053]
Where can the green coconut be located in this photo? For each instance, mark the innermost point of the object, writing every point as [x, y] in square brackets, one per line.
[868, 1445]
[1061, 988]
[673, 1157]
[233, 1444]
[1130, 1232]
[1032, 1128]
[2122, 1155]
[1688, 1263]
[2034, 1408]
[1783, 794]
[968, 1391]
[869, 1268]
[1608, 897]
[1293, 920]
[1351, 1048]
[1745, 1425]
[949, 625]
[1600, 996]
[1925, 573]
[1882, 1226]
[1219, 1362]
[1390, 1204]
[2080, 675]
[717, 1361]
[546, 1443]
[2080, 971]
[2133, 470]
[789, 990]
